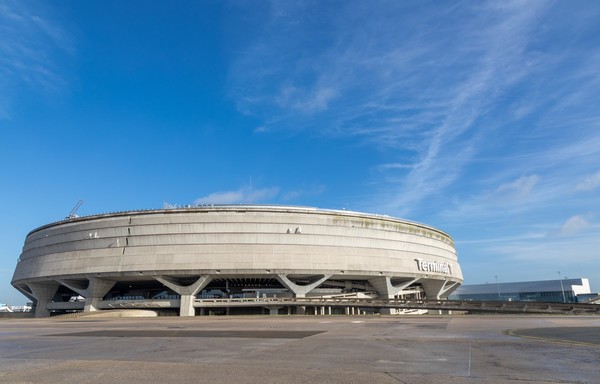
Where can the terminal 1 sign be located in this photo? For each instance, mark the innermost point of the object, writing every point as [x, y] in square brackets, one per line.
[428, 266]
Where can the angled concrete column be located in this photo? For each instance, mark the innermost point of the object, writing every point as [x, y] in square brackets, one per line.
[300, 290]
[187, 293]
[78, 286]
[43, 292]
[385, 289]
[449, 287]
[96, 291]
[93, 291]
[438, 289]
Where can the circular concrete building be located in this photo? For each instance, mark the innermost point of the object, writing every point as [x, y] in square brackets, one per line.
[185, 258]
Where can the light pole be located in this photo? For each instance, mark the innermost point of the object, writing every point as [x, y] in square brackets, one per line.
[497, 286]
[562, 288]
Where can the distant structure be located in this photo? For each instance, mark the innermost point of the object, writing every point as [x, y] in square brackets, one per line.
[5, 308]
[172, 258]
[558, 291]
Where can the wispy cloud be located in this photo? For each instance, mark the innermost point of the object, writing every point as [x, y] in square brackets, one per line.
[248, 195]
[518, 189]
[487, 125]
[535, 256]
[33, 48]
[590, 183]
[410, 87]
[244, 195]
[574, 225]
[307, 101]
[494, 66]
[384, 167]
[521, 237]
[501, 203]
[303, 193]
[552, 253]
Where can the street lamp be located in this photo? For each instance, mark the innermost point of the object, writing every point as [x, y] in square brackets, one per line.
[497, 286]
[562, 288]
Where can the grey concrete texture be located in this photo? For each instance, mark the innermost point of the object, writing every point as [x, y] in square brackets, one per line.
[249, 240]
[300, 349]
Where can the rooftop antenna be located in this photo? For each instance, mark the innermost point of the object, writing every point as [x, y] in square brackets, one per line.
[250, 197]
[73, 214]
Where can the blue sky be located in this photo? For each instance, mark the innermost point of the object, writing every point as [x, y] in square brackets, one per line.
[479, 118]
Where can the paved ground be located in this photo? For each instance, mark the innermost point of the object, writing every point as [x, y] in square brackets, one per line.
[581, 335]
[298, 349]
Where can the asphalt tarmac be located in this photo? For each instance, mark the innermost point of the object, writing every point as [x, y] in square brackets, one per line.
[302, 349]
[581, 335]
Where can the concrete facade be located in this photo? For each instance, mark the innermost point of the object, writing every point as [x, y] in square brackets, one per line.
[184, 251]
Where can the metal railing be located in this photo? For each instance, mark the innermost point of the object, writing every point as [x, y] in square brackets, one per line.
[446, 305]
[363, 303]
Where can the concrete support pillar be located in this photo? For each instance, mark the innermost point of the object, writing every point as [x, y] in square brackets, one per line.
[347, 311]
[289, 310]
[94, 290]
[438, 289]
[43, 293]
[274, 311]
[186, 292]
[385, 289]
[300, 290]
[347, 286]
[329, 311]
[186, 305]
[385, 311]
[301, 310]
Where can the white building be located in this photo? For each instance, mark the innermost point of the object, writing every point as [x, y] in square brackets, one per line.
[170, 258]
[563, 290]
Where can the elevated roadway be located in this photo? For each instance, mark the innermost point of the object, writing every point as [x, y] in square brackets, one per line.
[318, 305]
[445, 305]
